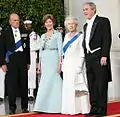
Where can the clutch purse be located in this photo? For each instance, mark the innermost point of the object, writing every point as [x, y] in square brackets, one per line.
[81, 87]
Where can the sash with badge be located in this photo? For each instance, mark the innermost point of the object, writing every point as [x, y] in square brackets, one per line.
[70, 42]
[17, 45]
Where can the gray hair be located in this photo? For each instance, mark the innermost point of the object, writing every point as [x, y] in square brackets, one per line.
[70, 18]
[92, 5]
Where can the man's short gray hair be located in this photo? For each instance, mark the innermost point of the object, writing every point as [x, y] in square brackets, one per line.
[92, 5]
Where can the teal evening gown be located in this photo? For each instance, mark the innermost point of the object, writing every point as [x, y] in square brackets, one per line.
[49, 95]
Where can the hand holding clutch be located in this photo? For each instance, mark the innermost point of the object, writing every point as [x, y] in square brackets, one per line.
[80, 66]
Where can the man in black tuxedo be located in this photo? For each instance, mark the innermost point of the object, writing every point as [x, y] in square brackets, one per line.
[15, 59]
[96, 44]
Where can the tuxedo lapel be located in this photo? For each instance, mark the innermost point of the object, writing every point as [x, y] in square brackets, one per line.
[94, 27]
[84, 28]
[11, 36]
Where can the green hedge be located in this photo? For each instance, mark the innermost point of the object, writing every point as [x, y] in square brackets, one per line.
[31, 9]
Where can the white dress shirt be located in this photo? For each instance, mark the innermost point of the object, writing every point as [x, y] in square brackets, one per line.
[88, 32]
[17, 37]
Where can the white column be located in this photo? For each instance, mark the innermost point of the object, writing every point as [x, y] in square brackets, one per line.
[66, 6]
[76, 10]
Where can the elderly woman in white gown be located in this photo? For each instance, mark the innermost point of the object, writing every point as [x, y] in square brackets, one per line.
[75, 97]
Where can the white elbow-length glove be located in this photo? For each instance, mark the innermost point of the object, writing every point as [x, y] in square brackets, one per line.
[80, 65]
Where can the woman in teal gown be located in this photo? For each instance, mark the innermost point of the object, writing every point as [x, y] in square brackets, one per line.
[49, 95]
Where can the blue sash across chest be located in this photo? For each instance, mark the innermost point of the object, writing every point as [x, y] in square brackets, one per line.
[17, 45]
[70, 42]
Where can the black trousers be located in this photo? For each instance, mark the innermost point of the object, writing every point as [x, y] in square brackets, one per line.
[97, 77]
[17, 76]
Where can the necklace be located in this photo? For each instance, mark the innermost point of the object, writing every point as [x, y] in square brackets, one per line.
[49, 34]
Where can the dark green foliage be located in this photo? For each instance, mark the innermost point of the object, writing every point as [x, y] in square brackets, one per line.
[31, 9]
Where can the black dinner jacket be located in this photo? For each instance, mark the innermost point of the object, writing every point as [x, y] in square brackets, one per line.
[100, 36]
[7, 43]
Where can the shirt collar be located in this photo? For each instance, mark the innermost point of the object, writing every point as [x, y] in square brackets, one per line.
[92, 19]
[15, 29]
